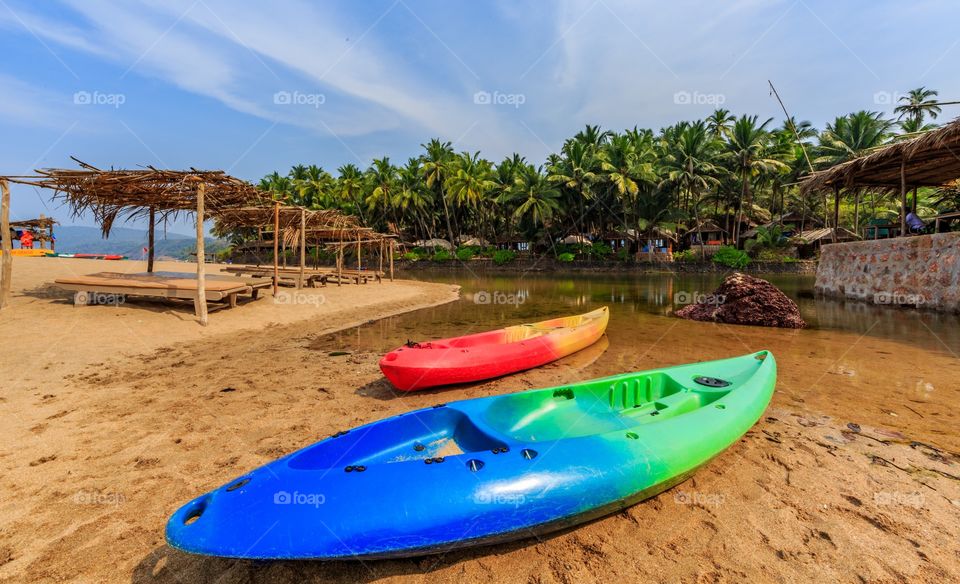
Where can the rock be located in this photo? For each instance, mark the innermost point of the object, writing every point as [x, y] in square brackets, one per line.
[743, 299]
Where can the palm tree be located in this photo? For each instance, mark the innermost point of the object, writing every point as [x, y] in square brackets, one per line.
[413, 199]
[718, 123]
[436, 164]
[690, 167]
[350, 188]
[470, 183]
[382, 178]
[748, 154]
[850, 137]
[918, 104]
[536, 199]
[576, 171]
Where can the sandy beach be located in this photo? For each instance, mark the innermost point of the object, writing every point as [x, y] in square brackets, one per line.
[114, 416]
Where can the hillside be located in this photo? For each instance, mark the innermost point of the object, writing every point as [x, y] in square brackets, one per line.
[129, 242]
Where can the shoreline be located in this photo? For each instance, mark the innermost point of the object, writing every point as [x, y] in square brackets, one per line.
[553, 266]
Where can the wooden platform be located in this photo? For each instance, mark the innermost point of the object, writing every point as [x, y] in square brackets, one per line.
[312, 276]
[221, 290]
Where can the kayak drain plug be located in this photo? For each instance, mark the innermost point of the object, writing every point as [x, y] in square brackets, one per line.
[528, 453]
[474, 465]
[711, 381]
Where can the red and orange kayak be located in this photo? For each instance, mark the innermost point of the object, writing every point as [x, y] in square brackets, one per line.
[491, 354]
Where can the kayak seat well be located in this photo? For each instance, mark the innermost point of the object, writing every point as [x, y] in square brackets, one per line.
[597, 408]
[418, 435]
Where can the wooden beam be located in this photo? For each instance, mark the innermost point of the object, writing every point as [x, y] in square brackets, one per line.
[903, 197]
[391, 260]
[380, 268]
[339, 264]
[201, 302]
[276, 247]
[303, 245]
[836, 211]
[6, 262]
[359, 265]
[150, 239]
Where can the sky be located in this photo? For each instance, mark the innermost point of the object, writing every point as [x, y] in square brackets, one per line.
[253, 87]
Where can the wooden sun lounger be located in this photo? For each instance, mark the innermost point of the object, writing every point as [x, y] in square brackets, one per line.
[286, 275]
[171, 285]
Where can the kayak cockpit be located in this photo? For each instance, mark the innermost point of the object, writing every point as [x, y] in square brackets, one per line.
[419, 435]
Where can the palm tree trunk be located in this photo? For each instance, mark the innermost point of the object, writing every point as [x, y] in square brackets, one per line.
[446, 213]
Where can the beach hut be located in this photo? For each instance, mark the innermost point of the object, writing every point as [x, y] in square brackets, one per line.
[656, 245]
[145, 194]
[928, 160]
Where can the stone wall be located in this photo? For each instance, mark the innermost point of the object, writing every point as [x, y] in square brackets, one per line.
[921, 271]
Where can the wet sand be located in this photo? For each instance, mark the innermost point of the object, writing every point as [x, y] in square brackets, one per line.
[852, 475]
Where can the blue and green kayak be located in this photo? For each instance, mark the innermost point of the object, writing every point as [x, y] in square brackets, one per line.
[484, 470]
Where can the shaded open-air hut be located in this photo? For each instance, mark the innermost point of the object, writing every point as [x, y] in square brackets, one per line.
[929, 160]
[41, 228]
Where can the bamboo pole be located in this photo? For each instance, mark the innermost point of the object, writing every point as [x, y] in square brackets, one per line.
[836, 211]
[339, 263]
[6, 262]
[391, 260]
[276, 247]
[303, 245]
[915, 198]
[201, 304]
[380, 268]
[150, 240]
[359, 265]
[903, 197]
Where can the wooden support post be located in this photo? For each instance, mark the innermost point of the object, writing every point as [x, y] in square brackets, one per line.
[6, 262]
[903, 198]
[150, 240]
[303, 245]
[836, 211]
[391, 260]
[359, 264]
[276, 247]
[915, 199]
[201, 302]
[380, 268]
[339, 263]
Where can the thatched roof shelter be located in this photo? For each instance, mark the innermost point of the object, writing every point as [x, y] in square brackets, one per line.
[929, 160]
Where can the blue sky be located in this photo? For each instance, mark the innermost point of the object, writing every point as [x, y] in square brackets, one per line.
[251, 87]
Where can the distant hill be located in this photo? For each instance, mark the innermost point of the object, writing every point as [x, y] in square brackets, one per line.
[129, 242]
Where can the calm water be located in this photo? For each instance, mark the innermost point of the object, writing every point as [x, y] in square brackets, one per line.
[493, 301]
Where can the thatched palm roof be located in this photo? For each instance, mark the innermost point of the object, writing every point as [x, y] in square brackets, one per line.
[931, 159]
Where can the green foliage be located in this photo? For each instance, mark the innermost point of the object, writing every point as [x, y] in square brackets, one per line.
[465, 254]
[731, 257]
[774, 255]
[624, 255]
[768, 239]
[504, 256]
[600, 250]
[411, 256]
[687, 255]
[442, 255]
[566, 257]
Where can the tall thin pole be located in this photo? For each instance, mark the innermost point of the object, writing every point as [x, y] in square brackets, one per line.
[303, 244]
[391, 260]
[150, 240]
[792, 127]
[6, 262]
[836, 211]
[903, 197]
[359, 265]
[380, 268]
[340, 262]
[201, 305]
[276, 247]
